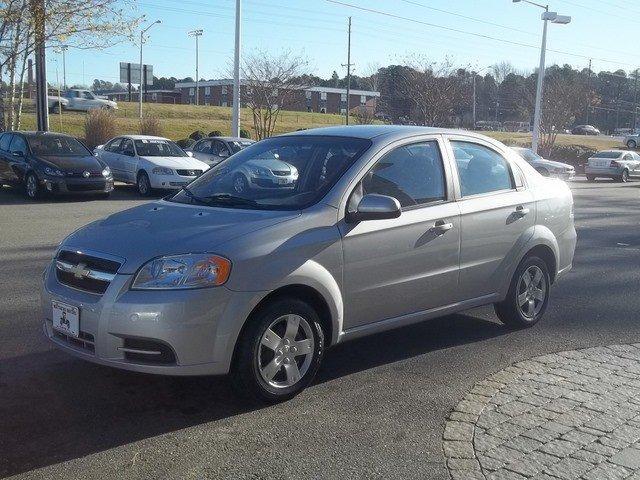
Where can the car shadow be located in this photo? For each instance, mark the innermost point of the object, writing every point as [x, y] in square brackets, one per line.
[10, 195]
[57, 408]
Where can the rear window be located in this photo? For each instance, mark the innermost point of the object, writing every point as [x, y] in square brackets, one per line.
[607, 155]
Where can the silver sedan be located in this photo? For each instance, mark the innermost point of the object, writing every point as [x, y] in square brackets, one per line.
[385, 226]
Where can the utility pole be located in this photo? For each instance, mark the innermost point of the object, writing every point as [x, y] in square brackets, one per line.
[348, 65]
[196, 34]
[474, 100]
[64, 48]
[142, 32]
[235, 125]
[635, 99]
[588, 92]
[42, 109]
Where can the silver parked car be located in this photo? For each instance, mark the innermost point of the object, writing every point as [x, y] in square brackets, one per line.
[383, 228]
[547, 168]
[615, 164]
[213, 150]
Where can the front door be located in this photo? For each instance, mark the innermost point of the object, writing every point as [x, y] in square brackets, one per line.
[497, 217]
[408, 264]
[129, 160]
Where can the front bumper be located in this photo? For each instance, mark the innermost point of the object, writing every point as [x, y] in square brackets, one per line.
[62, 185]
[188, 323]
[271, 182]
[169, 182]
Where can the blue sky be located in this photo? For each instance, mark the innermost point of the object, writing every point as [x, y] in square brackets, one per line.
[604, 30]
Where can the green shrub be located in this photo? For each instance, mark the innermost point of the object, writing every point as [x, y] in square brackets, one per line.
[197, 135]
[245, 133]
[215, 133]
[186, 143]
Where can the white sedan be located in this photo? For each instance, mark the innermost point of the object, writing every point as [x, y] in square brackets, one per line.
[149, 162]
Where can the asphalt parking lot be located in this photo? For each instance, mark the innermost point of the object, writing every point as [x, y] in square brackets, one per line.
[376, 410]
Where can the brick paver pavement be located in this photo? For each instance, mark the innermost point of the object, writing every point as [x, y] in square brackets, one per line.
[567, 415]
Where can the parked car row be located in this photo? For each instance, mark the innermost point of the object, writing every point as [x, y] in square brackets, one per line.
[53, 163]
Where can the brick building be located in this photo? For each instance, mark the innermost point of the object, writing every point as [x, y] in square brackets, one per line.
[151, 96]
[312, 99]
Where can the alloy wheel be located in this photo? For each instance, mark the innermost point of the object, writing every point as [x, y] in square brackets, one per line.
[532, 292]
[143, 184]
[32, 186]
[285, 351]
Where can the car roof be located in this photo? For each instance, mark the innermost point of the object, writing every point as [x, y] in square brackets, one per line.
[34, 133]
[143, 137]
[373, 131]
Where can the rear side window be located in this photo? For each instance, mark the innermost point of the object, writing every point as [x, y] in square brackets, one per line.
[203, 146]
[481, 169]
[606, 154]
[18, 144]
[413, 174]
[5, 140]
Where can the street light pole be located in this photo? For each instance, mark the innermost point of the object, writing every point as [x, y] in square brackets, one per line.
[196, 34]
[235, 124]
[537, 114]
[64, 48]
[141, 76]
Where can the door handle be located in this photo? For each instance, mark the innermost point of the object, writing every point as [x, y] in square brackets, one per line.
[521, 211]
[441, 227]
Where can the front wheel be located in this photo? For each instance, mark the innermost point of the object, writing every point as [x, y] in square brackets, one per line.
[144, 185]
[624, 178]
[591, 178]
[32, 186]
[632, 144]
[279, 352]
[528, 294]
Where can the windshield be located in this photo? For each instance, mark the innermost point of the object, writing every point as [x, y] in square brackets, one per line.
[607, 155]
[280, 173]
[527, 154]
[56, 145]
[149, 147]
[238, 145]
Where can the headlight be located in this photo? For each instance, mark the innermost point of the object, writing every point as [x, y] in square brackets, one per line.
[106, 172]
[53, 172]
[162, 171]
[182, 272]
[260, 171]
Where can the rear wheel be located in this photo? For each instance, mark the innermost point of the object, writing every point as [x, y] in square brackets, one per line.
[632, 144]
[528, 294]
[279, 352]
[624, 178]
[591, 178]
[143, 184]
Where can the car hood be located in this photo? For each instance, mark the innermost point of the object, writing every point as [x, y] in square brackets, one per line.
[73, 163]
[189, 163]
[550, 163]
[166, 228]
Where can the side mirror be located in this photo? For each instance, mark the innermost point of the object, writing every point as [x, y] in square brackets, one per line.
[99, 147]
[375, 207]
[189, 153]
[223, 154]
[18, 153]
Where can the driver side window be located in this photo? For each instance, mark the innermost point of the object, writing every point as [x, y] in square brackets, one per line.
[413, 174]
[18, 144]
[127, 147]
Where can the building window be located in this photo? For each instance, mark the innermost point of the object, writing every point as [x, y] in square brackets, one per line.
[154, 96]
[274, 92]
[191, 92]
[224, 90]
[343, 111]
[363, 99]
[223, 104]
[207, 90]
[343, 97]
[307, 94]
[323, 95]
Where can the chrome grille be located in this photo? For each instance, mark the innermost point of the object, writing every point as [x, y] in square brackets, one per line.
[85, 272]
[281, 173]
[189, 173]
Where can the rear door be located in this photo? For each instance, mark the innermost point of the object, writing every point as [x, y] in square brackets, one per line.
[109, 154]
[497, 215]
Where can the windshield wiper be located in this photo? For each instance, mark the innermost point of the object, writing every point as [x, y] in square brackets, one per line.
[227, 199]
[192, 196]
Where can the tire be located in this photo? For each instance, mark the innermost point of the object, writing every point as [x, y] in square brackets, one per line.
[259, 371]
[32, 188]
[624, 178]
[143, 184]
[632, 144]
[240, 184]
[591, 178]
[516, 310]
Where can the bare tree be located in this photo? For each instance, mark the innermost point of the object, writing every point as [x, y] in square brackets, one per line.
[272, 83]
[434, 90]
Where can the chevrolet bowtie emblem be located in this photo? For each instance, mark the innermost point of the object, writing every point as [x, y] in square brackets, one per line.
[80, 270]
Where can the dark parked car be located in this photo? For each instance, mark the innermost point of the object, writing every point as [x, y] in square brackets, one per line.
[585, 130]
[44, 163]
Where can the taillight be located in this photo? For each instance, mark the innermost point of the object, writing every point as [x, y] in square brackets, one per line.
[614, 164]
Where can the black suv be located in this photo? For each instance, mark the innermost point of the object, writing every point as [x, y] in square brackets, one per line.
[43, 162]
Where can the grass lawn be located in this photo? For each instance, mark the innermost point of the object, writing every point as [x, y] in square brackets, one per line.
[179, 121]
